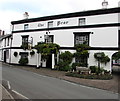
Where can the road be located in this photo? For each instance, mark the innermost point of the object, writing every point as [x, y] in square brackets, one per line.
[35, 86]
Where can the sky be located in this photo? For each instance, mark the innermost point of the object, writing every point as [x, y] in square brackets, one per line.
[13, 10]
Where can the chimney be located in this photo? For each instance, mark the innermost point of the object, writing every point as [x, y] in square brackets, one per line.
[26, 15]
[3, 33]
[104, 4]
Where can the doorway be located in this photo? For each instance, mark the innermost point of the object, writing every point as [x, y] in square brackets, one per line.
[5, 56]
[49, 61]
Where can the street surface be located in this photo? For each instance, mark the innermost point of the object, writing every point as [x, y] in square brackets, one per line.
[35, 86]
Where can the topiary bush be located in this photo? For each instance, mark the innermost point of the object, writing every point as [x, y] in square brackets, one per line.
[65, 60]
[23, 61]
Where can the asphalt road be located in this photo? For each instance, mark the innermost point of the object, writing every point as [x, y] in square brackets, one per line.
[34, 86]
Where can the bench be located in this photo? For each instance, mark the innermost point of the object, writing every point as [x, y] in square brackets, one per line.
[83, 70]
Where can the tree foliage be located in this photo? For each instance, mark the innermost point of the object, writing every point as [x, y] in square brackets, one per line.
[103, 58]
[116, 56]
[65, 60]
[46, 49]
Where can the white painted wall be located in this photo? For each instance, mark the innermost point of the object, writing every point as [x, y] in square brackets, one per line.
[92, 61]
[74, 21]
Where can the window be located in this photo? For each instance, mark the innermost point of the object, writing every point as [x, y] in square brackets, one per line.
[5, 42]
[24, 54]
[26, 26]
[49, 38]
[8, 42]
[81, 39]
[25, 40]
[82, 21]
[50, 24]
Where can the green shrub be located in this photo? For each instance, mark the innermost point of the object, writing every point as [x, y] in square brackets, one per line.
[66, 57]
[24, 46]
[23, 61]
[99, 77]
[65, 60]
[103, 58]
[63, 66]
[93, 69]
[74, 66]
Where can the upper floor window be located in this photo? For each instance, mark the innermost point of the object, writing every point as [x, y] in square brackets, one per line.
[25, 40]
[81, 38]
[50, 24]
[49, 38]
[5, 42]
[26, 26]
[82, 21]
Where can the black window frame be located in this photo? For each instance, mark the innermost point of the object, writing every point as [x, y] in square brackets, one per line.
[82, 34]
[83, 20]
[26, 26]
[50, 23]
[25, 38]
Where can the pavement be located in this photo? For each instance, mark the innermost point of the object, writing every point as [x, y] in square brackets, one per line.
[110, 85]
[6, 94]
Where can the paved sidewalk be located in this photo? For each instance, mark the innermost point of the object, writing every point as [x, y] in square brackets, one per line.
[110, 85]
[6, 94]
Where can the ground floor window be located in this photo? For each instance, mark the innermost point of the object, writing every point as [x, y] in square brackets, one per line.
[82, 61]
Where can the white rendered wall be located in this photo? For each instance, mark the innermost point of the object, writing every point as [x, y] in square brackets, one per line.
[74, 21]
[92, 61]
[32, 59]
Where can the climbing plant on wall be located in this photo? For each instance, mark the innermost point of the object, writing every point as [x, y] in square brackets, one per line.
[46, 49]
[82, 53]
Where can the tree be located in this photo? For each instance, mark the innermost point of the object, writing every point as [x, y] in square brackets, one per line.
[101, 58]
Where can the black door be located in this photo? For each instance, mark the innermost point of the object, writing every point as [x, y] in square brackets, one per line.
[49, 62]
[5, 56]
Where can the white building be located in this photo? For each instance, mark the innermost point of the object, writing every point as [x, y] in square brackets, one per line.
[100, 28]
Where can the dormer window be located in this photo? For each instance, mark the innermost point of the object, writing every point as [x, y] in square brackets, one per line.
[82, 21]
[26, 26]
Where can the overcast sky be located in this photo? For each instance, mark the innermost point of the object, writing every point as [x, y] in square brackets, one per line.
[12, 10]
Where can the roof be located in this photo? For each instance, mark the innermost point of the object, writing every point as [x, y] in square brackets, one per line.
[69, 15]
[5, 36]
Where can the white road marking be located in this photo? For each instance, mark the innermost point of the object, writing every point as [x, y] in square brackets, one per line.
[19, 94]
[9, 87]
